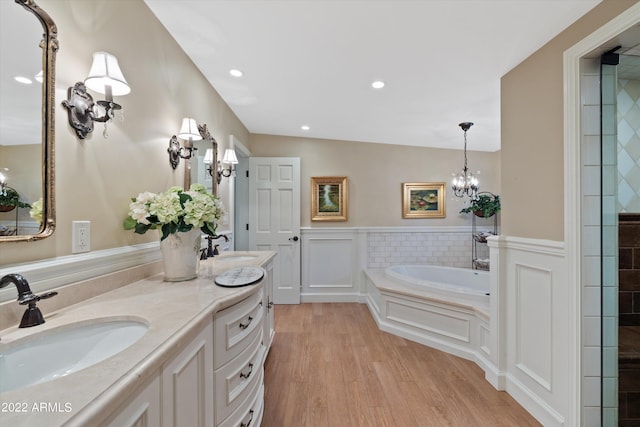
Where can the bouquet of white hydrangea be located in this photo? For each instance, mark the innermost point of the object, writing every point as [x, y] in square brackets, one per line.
[175, 210]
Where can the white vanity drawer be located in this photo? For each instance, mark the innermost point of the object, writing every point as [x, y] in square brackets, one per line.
[235, 383]
[249, 414]
[235, 327]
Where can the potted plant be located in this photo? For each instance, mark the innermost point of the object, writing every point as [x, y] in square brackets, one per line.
[181, 217]
[485, 206]
[9, 199]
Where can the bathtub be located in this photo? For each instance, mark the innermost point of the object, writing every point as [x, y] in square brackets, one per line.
[455, 282]
[445, 308]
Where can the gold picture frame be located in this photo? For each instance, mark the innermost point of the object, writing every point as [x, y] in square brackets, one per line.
[423, 200]
[329, 198]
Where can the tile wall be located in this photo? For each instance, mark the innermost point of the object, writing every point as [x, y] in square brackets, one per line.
[592, 267]
[629, 329]
[452, 249]
[628, 110]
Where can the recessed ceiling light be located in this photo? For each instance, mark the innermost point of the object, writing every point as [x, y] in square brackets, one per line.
[378, 84]
[23, 80]
[236, 73]
[305, 127]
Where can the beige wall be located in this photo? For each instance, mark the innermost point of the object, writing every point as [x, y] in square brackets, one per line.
[376, 173]
[96, 178]
[532, 133]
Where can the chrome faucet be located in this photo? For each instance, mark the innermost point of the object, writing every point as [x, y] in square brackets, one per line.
[32, 316]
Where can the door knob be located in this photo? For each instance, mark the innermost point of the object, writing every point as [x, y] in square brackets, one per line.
[293, 239]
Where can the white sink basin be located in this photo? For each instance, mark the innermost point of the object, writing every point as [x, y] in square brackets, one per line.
[62, 351]
[237, 258]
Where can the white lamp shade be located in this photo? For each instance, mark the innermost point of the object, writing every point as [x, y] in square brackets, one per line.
[208, 157]
[189, 129]
[105, 71]
[230, 156]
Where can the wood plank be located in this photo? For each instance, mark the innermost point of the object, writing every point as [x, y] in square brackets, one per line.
[331, 366]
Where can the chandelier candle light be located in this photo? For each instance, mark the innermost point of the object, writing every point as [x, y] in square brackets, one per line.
[465, 183]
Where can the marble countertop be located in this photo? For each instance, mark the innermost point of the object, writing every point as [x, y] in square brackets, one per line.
[175, 313]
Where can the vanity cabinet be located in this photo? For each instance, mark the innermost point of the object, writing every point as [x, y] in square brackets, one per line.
[187, 389]
[142, 410]
[238, 361]
[180, 395]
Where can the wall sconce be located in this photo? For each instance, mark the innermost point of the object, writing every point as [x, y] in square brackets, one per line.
[464, 183]
[228, 158]
[188, 132]
[208, 160]
[105, 77]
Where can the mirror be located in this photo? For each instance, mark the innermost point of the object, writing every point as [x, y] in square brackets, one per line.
[28, 45]
[199, 169]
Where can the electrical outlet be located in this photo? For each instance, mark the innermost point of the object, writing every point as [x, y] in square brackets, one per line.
[80, 236]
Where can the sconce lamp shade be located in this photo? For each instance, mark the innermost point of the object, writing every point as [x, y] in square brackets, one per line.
[189, 129]
[105, 71]
[208, 157]
[230, 156]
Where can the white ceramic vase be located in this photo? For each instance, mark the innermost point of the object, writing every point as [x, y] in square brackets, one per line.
[181, 255]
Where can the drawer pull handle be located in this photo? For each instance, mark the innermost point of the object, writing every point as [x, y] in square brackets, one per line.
[250, 419]
[246, 325]
[247, 375]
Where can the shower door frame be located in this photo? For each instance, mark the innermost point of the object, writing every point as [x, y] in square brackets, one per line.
[573, 186]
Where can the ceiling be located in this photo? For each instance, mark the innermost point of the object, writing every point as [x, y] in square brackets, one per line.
[312, 62]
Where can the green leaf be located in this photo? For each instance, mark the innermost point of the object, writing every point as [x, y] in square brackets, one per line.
[129, 223]
[184, 197]
[209, 228]
[141, 228]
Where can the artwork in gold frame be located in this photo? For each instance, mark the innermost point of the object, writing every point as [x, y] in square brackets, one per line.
[423, 200]
[329, 198]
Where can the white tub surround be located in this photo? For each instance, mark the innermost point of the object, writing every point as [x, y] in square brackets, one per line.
[463, 283]
[450, 323]
[178, 314]
[519, 337]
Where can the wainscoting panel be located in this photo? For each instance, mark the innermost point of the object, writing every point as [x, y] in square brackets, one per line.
[533, 323]
[536, 332]
[330, 266]
[430, 318]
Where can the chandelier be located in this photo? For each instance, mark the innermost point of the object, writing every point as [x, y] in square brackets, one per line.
[464, 183]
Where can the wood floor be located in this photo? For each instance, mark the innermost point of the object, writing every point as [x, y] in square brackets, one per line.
[331, 366]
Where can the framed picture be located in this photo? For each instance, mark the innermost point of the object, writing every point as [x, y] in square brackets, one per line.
[329, 198]
[423, 200]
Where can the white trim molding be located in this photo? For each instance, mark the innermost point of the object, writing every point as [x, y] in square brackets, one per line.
[573, 194]
[55, 272]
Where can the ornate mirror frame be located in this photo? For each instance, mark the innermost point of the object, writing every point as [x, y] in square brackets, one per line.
[206, 136]
[49, 46]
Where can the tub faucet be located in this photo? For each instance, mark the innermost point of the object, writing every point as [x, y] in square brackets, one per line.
[32, 316]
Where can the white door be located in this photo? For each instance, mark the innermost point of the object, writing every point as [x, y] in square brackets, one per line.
[274, 220]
